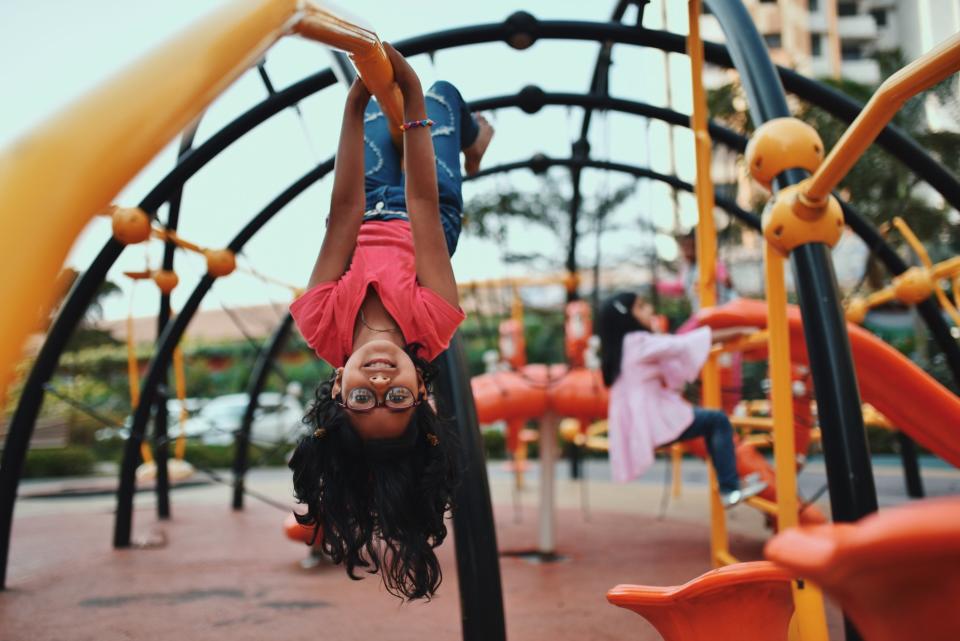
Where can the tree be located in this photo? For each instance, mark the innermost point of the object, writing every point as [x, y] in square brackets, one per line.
[86, 334]
[489, 215]
[879, 185]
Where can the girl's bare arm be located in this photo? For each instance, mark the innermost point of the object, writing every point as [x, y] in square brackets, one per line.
[423, 201]
[348, 200]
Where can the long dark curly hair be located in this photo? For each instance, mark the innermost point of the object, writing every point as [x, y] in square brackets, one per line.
[379, 504]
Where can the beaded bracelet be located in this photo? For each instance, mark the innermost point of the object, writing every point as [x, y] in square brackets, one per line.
[426, 122]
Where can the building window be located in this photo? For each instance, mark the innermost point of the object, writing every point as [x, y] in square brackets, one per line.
[813, 6]
[773, 41]
[851, 52]
[846, 8]
[816, 45]
[880, 17]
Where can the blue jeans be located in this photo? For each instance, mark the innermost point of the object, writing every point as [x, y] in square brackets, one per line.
[717, 431]
[454, 129]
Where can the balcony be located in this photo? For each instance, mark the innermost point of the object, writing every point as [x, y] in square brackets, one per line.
[861, 27]
[864, 71]
[817, 22]
[767, 17]
[820, 67]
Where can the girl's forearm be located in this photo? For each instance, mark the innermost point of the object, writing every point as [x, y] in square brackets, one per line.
[348, 174]
[418, 158]
[347, 200]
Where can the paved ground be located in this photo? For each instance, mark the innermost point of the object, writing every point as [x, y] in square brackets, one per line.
[211, 573]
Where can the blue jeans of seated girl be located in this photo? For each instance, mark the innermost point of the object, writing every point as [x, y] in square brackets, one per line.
[717, 431]
[454, 129]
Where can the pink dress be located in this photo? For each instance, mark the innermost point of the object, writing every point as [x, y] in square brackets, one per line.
[646, 408]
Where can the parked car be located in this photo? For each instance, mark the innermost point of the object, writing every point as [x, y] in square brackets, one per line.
[277, 419]
[193, 405]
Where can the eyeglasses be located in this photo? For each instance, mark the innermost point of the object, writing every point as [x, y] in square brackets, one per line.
[363, 399]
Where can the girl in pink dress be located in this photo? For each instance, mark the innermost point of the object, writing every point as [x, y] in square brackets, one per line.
[646, 373]
[376, 472]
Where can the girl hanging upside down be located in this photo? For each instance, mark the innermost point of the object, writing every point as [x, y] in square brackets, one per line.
[376, 472]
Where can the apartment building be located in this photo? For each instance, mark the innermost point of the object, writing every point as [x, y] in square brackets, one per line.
[839, 38]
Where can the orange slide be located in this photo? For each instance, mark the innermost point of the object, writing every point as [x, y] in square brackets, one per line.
[912, 399]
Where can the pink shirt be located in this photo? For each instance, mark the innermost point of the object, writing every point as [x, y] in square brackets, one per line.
[646, 408]
[384, 260]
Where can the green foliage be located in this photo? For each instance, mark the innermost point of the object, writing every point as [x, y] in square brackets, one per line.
[494, 445]
[880, 186]
[221, 456]
[487, 215]
[59, 462]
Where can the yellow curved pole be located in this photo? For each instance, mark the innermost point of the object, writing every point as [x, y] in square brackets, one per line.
[56, 178]
[919, 75]
[924, 257]
[706, 264]
[180, 379]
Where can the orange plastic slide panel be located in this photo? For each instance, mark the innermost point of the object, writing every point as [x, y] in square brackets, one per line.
[297, 532]
[507, 396]
[733, 603]
[731, 380]
[913, 400]
[581, 394]
[751, 461]
[895, 573]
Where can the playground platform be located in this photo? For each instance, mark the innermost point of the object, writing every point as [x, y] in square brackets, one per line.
[211, 573]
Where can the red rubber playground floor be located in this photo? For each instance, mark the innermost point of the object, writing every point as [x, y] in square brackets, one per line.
[214, 574]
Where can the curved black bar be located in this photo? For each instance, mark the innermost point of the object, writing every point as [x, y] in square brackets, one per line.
[258, 378]
[849, 472]
[21, 425]
[474, 532]
[537, 163]
[161, 446]
[531, 99]
[165, 346]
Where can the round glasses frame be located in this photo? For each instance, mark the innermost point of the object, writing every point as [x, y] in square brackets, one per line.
[379, 403]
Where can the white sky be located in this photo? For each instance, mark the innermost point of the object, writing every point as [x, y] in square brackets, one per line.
[56, 50]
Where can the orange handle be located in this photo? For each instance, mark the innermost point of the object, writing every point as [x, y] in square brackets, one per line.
[367, 54]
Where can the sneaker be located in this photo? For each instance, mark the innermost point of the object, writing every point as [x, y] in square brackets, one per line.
[752, 486]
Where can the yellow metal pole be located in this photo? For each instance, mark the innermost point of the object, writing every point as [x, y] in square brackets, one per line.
[56, 178]
[919, 75]
[676, 460]
[809, 620]
[706, 261]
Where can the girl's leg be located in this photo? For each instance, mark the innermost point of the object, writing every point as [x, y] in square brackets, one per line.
[717, 431]
[381, 160]
[454, 129]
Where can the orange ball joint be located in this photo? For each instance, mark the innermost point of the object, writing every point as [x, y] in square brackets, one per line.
[781, 144]
[857, 310]
[130, 225]
[166, 280]
[220, 262]
[913, 286]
